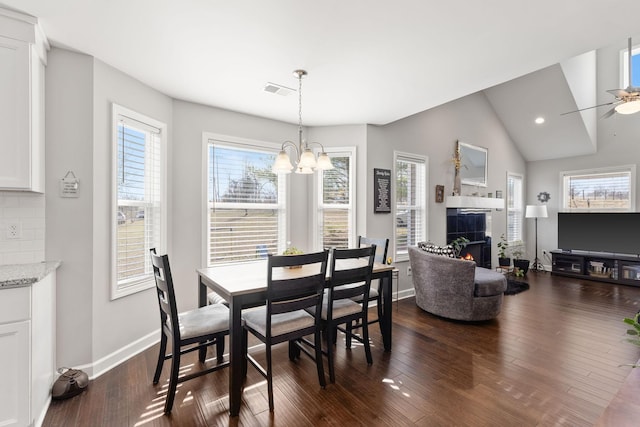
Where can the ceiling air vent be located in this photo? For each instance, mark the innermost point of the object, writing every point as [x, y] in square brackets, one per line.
[278, 89]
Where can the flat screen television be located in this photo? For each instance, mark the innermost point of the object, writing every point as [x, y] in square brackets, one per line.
[600, 232]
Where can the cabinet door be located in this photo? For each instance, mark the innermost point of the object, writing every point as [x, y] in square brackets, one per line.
[15, 138]
[15, 361]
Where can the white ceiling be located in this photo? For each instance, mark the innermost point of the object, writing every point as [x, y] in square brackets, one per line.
[368, 61]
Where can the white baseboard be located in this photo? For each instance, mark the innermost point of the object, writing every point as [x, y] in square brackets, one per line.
[112, 360]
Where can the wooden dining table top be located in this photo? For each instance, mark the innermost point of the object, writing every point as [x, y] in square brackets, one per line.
[246, 278]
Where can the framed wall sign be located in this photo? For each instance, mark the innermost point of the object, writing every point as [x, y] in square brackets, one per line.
[381, 191]
[439, 193]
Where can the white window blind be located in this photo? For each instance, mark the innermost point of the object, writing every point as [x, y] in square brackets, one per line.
[246, 203]
[611, 189]
[335, 201]
[410, 196]
[139, 193]
[514, 207]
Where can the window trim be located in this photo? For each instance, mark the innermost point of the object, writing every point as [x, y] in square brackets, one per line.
[522, 204]
[232, 141]
[351, 151]
[147, 123]
[631, 168]
[404, 256]
[625, 79]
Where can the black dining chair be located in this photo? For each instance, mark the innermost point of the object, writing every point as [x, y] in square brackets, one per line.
[188, 331]
[295, 283]
[375, 294]
[350, 279]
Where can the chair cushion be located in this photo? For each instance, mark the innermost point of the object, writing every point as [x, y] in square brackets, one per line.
[205, 320]
[341, 308]
[280, 323]
[489, 283]
[214, 298]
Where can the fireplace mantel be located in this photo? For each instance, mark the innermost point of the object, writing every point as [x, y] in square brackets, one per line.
[474, 202]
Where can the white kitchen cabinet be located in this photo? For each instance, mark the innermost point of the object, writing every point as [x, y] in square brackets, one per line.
[22, 63]
[27, 340]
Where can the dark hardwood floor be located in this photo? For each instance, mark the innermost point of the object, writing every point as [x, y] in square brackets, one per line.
[551, 359]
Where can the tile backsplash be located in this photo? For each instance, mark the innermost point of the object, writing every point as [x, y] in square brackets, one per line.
[22, 226]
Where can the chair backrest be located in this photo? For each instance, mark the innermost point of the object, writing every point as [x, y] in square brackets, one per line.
[382, 246]
[351, 267]
[295, 282]
[165, 291]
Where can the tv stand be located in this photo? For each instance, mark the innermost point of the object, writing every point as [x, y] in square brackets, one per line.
[598, 266]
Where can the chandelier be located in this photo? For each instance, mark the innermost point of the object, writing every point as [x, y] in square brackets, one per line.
[306, 162]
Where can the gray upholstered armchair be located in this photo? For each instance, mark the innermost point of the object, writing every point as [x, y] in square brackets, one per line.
[455, 288]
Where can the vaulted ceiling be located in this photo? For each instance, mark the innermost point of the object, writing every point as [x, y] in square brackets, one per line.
[368, 62]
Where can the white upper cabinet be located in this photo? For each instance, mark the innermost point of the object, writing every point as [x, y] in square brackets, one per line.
[22, 62]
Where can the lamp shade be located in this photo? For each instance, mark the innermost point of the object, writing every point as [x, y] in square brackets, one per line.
[536, 211]
[307, 160]
[282, 163]
[324, 162]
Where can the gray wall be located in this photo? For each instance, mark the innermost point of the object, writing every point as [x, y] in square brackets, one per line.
[79, 93]
[94, 331]
[618, 144]
[433, 133]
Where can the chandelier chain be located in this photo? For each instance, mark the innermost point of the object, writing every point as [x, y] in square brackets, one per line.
[300, 105]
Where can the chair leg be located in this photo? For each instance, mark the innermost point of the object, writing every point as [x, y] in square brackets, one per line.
[245, 349]
[269, 377]
[220, 348]
[330, 331]
[319, 362]
[294, 350]
[348, 334]
[173, 380]
[161, 353]
[365, 341]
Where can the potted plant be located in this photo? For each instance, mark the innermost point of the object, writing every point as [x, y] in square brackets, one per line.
[292, 250]
[517, 251]
[459, 244]
[503, 245]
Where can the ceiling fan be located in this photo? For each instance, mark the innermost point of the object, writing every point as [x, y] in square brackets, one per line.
[627, 100]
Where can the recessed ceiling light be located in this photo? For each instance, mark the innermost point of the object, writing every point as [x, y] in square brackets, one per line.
[539, 120]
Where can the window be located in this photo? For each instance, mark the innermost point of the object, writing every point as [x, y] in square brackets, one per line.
[635, 65]
[246, 215]
[139, 222]
[514, 207]
[607, 189]
[411, 207]
[335, 206]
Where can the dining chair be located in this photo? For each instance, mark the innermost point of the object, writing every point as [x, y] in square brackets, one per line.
[294, 283]
[350, 279]
[375, 294]
[188, 331]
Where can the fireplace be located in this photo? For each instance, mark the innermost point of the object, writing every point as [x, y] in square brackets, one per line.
[472, 224]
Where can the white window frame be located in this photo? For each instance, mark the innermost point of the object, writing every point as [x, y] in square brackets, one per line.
[423, 200]
[318, 206]
[624, 65]
[518, 208]
[242, 143]
[118, 112]
[631, 169]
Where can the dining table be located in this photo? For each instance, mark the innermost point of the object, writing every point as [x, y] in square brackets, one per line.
[244, 285]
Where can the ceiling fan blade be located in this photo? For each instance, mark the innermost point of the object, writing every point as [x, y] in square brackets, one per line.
[588, 108]
[609, 113]
[618, 93]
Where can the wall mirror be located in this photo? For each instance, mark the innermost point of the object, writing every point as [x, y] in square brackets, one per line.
[473, 164]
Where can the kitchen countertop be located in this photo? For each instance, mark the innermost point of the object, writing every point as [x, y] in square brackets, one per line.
[16, 275]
